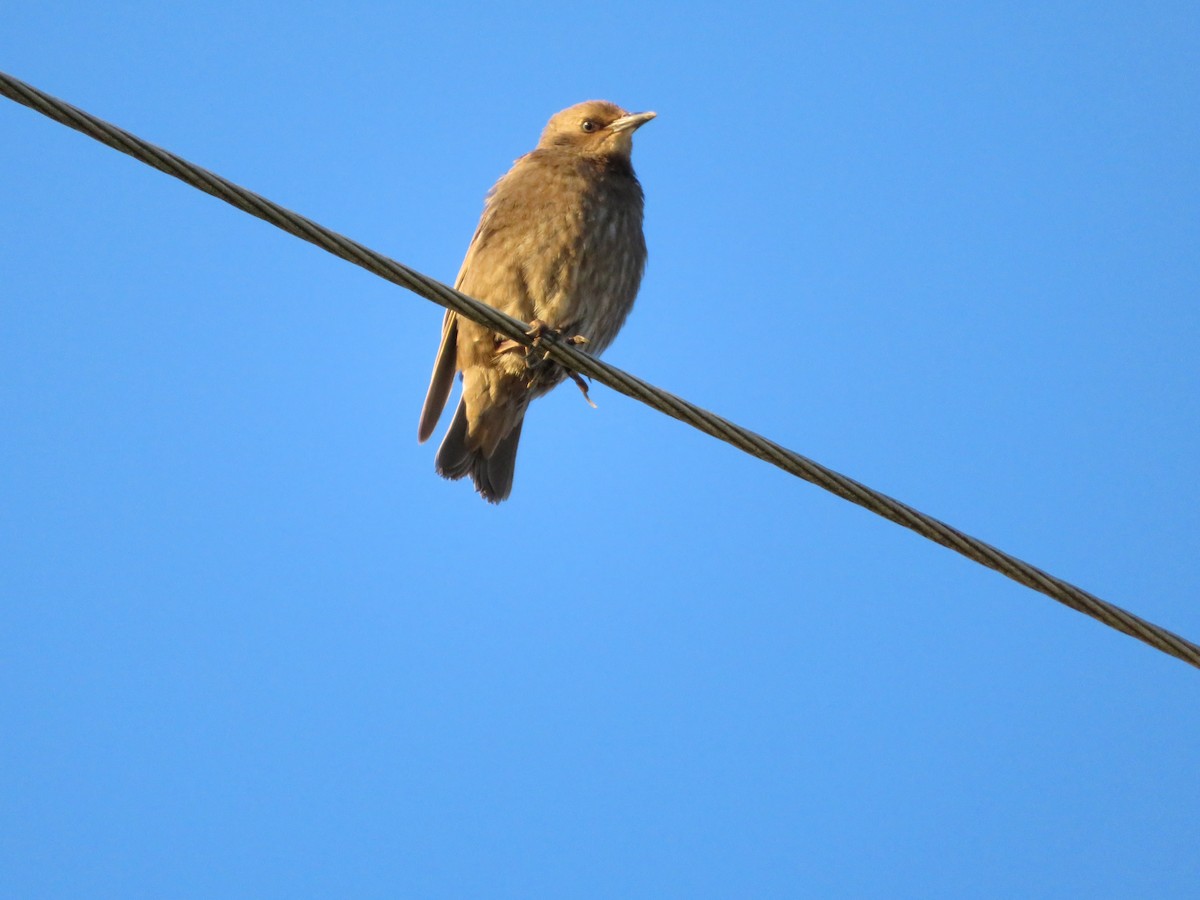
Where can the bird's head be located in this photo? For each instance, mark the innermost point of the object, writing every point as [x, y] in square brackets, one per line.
[595, 128]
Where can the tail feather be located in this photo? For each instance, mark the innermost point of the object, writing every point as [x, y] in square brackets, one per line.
[493, 475]
[453, 459]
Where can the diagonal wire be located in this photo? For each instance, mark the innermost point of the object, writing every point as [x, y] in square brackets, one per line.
[618, 380]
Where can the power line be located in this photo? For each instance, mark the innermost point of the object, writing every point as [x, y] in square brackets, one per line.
[577, 361]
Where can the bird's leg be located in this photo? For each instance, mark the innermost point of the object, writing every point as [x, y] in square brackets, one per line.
[538, 330]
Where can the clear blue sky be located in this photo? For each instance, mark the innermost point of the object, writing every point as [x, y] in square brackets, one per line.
[251, 645]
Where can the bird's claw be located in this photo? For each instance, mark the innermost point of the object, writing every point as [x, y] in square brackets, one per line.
[538, 333]
[578, 379]
[539, 330]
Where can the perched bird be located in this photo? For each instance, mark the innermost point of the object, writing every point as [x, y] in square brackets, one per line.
[559, 245]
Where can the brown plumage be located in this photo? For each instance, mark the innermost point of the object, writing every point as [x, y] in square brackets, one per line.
[559, 243]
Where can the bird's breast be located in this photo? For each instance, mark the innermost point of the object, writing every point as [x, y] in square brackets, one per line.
[588, 281]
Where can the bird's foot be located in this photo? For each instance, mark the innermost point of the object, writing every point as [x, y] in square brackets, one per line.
[536, 365]
[538, 332]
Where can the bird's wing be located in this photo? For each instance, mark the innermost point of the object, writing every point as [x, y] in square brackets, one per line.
[442, 379]
[445, 365]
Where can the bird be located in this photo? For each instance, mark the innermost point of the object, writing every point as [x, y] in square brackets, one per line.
[559, 245]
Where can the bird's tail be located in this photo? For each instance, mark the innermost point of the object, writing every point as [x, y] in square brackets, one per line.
[493, 475]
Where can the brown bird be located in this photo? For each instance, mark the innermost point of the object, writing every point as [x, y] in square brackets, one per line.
[559, 245]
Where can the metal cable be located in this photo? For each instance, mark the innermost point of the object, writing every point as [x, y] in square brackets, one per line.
[606, 374]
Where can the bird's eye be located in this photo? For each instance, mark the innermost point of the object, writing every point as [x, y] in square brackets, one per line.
[588, 126]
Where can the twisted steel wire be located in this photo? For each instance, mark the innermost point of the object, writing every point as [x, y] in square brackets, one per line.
[621, 381]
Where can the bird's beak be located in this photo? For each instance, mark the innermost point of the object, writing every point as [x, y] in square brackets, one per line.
[631, 122]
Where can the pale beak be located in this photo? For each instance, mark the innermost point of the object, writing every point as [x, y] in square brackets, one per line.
[631, 121]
